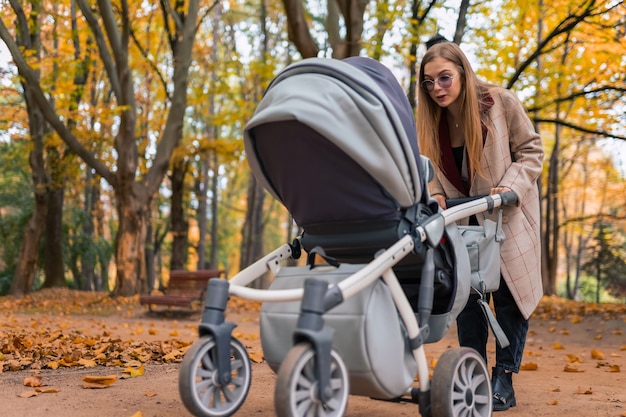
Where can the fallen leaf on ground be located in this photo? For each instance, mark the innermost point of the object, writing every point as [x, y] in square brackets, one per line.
[87, 363]
[28, 394]
[91, 382]
[614, 368]
[133, 372]
[47, 390]
[33, 381]
[528, 366]
[572, 368]
[555, 402]
[255, 356]
[596, 354]
[573, 358]
[584, 391]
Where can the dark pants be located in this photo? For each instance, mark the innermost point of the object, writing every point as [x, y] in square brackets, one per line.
[473, 329]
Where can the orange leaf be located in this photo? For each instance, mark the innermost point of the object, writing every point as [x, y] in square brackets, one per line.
[557, 346]
[596, 354]
[598, 337]
[256, 356]
[133, 372]
[528, 366]
[47, 390]
[555, 402]
[614, 368]
[33, 381]
[28, 394]
[98, 381]
[584, 391]
[555, 389]
[573, 358]
[571, 368]
[87, 363]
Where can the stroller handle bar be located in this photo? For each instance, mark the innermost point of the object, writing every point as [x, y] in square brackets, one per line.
[476, 205]
[459, 208]
[507, 199]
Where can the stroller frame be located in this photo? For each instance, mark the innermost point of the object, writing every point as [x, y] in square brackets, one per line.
[215, 374]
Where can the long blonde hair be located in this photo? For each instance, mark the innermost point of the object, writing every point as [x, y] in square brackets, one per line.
[429, 114]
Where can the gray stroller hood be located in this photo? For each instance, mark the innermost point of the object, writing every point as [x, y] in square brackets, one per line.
[335, 141]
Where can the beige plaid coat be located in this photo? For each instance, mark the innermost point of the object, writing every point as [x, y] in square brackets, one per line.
[512, 157]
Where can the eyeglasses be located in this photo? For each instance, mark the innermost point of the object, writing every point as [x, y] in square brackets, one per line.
[445, 81]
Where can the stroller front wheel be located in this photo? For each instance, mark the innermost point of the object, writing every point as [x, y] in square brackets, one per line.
[460, 385]
[296, 385]
[198, 384]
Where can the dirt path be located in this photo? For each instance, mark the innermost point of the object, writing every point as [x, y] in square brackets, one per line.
[589, 342]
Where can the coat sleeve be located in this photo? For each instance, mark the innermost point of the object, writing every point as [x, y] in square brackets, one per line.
[525, 145]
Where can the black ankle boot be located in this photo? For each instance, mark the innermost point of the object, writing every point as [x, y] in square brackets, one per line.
[502, 387]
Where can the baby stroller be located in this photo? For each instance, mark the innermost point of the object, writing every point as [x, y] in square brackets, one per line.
[387, 271]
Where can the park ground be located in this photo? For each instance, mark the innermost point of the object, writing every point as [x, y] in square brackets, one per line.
[75, 354]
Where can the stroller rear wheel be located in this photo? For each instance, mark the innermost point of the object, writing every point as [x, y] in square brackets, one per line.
[460, 385]
[198, 384]
[296, 385]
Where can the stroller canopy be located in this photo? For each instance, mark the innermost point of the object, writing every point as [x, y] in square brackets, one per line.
[335, 141]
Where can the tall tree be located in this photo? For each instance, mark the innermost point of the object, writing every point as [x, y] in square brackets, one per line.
[27, 37]
[111, 29]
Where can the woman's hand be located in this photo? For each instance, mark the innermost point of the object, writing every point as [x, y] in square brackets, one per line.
[498, 190]
[441, 199]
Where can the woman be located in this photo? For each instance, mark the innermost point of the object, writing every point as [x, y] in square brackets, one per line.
[481, 141]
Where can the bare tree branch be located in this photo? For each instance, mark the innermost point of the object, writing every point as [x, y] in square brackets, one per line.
[560, 122]
[103, 49]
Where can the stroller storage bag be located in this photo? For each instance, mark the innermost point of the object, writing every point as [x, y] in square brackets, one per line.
[368, 335]
[483, 247]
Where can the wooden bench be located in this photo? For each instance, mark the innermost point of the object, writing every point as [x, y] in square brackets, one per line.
[184, 288]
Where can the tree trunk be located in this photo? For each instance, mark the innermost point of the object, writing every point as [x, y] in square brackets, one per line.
[149, 252]
[53, 254]
[214, 212]
[298, 29]
[252, 234]
[129, 242]
[201, 188]
[461, 22]
[88, 257]
[179, 224]
[26, 268]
